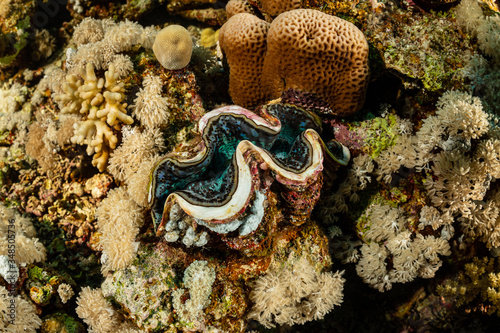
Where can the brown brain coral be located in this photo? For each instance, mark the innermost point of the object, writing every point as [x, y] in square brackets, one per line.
[303, 49]
[276, 7]
[234, 7]
[319, 53]
[243, 39]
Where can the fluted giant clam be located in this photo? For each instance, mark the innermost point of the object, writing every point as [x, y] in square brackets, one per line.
[241, 158]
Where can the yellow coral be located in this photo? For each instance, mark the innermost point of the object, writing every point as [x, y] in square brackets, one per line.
[209, 37]
[173, 46]
[479, 281]
[100, 100]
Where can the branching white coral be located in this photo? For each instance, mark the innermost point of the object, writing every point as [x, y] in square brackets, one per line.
[18, 230]
[389, 241]
[459, 149]
[431, 216]
[487, 29]
[403, 153]
[484, 220]
[372, 266]
[150, 107]
[123, 65]
[148, 37]
[100, 41]
[89, 30]
[136, 147]
[22, 319]
[100, 315]
[384, 222]
[124, 35]
[462, 115]
[295, 294]
[118, 220]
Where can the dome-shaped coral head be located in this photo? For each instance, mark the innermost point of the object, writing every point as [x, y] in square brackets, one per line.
[173, 47]
[302, 49]
[225, 183]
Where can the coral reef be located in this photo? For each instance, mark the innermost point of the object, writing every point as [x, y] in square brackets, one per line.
[388, 240]
[455, 173]
[118, 248]
[476, 287]
[101, 43]
[13, 115]
[198, 279]
[423, 58]
[243, 38]
[99, 313]
[324, 196]
[165, 286]
[339, 72]
[150, 107]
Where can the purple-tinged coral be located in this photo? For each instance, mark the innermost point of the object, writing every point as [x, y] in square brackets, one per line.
[305, 100]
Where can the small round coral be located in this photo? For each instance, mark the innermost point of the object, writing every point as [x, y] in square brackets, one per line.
[173, 46]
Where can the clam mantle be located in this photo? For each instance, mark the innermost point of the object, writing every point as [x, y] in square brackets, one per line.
[234, 162]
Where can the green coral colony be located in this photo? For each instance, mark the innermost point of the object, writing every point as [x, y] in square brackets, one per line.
[362, 157]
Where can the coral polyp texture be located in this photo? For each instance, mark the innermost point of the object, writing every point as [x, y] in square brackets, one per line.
[302, 49]
[224, 183]
[173, 47]
[234, 7]
[268, 8]
[318, 53]
[276, 7]
[243, 39]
